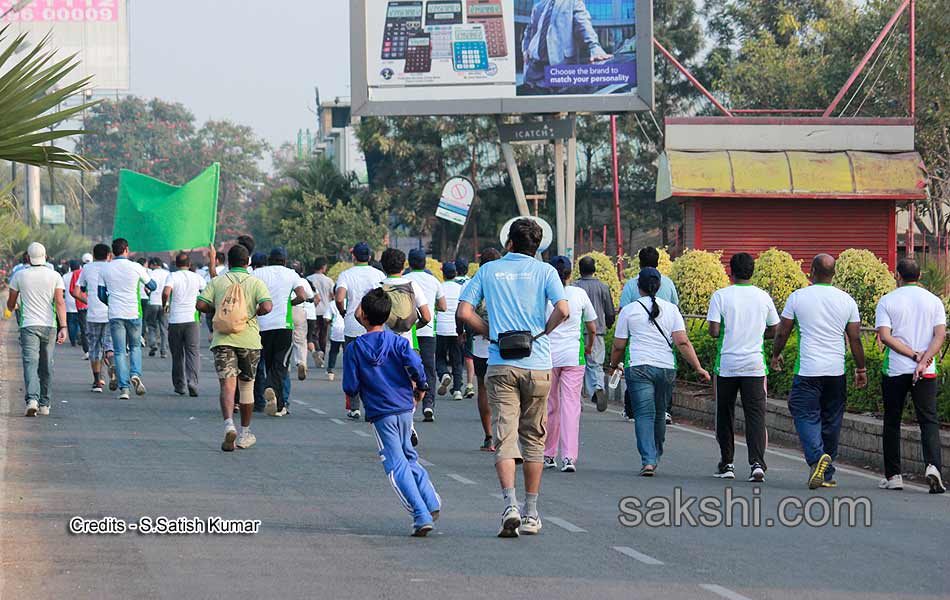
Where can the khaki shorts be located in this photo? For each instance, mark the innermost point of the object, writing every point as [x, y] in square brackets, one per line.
[232, 362]
[519, 412]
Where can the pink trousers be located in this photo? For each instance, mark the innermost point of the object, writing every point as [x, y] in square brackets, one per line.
[564, 411]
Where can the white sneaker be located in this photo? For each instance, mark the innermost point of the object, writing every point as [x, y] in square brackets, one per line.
[457, 396]
[470, 391]
[321, 358]
[444, 384]
[271, 398]
[85, 356]
[510, 522]
[895, 482]
[138, 385]
[758, 473]
[549, 462]
[245, 440]
[301, 371]
[354, 414]
[568, 466]
[31, 407]
[124, 394]
[530, 525]
[331, 375]
[283, 412]
[230, 434]
[669, 419]
[44, 411]
[933, 478]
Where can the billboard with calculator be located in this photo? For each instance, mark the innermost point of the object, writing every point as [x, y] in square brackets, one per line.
[501, 56]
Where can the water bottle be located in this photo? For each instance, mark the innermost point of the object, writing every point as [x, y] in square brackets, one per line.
[615, 378]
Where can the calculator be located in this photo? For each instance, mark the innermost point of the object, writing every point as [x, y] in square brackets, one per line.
[489, 13]
[419, 53]
[441, 12]
[441, 38]
[469, 48]
[403, 17]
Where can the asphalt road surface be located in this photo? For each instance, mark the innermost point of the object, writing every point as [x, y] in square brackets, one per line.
[332, 527]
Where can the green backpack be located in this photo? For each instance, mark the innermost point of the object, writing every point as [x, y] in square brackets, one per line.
[403, 316]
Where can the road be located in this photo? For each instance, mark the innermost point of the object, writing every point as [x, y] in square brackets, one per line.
[333, 528]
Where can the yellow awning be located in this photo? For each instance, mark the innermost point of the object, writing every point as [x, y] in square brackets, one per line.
[791, 175]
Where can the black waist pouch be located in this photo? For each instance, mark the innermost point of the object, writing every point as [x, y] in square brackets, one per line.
[514, 345]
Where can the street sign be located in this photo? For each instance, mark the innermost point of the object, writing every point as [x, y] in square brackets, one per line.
[547, 233]
[539, 131]
[54, 214]
[457, 197]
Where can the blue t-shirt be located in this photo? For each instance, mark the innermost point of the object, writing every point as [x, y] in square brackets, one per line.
[516, 290]
[666, 292]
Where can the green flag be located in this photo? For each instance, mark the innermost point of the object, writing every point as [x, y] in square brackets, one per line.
[157, 217]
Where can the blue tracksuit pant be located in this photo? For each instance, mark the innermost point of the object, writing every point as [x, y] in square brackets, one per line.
[407, 476]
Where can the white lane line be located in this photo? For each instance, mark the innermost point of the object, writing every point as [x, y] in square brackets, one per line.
[425, 463]
[566, 525]
[723, 592]
[362, 434]
[337, 421]
[461, 479]
[317, 411]
[299, 402]
[628, 551]
[499, 496]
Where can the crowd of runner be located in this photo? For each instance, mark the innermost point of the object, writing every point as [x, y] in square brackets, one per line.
[526, 337]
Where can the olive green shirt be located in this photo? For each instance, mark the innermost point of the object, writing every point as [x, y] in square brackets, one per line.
[255, 293]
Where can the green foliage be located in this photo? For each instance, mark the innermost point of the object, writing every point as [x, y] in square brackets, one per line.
[632, 265]
[472, 269]
[30, 94]
[435, 267]
[62, 243]
[779, 274]
[606, 272]
[934, 275]
[334, 271]
[320, 227]
[697, 274]
[866, 278]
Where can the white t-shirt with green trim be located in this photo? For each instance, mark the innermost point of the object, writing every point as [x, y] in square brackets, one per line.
[821, 313]
[567, 341]
[185, 287]
[357, 280]
[124, 280]
[743, 312]
[280, 282]
[647, 346]
[912, 313]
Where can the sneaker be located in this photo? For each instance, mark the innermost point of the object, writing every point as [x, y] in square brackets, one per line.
[353, 414]
[321, 358]
[758, 473]
[444, 384]
[301, 371]
[138, 385]
[648, 471]
[228, 444]
[44, 411]
[510, 522]
[152, 352]
[246, 440]
[421, 530]
[281, 412]
[567, 466]
[193, 391]
[31, 407]
[414, 438]
[428, 415]
[895, 482]
[818, 472]
[470, 391]
[935, 480]
[113, 379]
[97, 387]
[549, 462]
[726, 471]
[600, 399]
[530, 525]
[669, 419]
[162, 355]
[488, 445]
[331, 376]
[457, 396]
[271, 399]
[124, 394]
[181, 392]
[85, 356]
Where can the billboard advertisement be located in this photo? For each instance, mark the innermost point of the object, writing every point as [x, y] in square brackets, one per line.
[97, 31]
[501, 56]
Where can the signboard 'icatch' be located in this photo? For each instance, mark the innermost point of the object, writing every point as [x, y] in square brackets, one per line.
[429, 57]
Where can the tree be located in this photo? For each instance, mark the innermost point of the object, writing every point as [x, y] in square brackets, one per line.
[323, 227]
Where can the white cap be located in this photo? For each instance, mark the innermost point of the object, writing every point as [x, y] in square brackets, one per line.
[86, 258]
[37, 254]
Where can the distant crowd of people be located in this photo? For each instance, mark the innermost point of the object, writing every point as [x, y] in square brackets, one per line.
[526, 337]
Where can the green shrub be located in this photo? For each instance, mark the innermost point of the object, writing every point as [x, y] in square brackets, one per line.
[472, 269]
[779, 274]
[866, 278]
[697, 274]
[435, 267]
[632, 265]
[606, 272]
[334, 271]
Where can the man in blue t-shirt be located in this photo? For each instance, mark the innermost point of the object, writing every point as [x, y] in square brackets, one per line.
[516, 290]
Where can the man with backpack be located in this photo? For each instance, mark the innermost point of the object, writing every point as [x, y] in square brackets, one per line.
[410, 307]
[236, 300]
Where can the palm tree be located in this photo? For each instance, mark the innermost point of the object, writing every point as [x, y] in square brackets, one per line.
[30, 94]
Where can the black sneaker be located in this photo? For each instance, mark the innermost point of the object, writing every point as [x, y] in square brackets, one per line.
[193, 392]
[414, 438]
[758, 473]
[600, 399]
[428, 415]
[152, 352]
[725, 471]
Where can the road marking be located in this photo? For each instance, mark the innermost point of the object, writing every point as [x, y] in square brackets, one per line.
[362, 433]
[499, 496]
[317, 411]
[628, 551]
[301, 403]
[337, 421]
[567, 525]
[461, 479]
[425, 463]
[723, 592]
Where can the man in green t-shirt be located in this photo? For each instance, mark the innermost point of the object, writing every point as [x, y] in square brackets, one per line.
[236, 355]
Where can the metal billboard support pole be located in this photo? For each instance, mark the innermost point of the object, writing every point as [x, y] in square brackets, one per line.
[33, 199]
[560, 203]
[571, 191]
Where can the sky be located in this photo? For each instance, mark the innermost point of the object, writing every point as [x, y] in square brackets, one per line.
[255, 62]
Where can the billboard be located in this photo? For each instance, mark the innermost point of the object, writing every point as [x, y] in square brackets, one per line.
[431, 57]
[97, 31]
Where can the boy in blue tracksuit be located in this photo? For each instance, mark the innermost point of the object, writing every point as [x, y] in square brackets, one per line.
[381, 367]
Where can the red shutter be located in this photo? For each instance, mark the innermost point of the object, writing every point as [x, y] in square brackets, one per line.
[802, 227]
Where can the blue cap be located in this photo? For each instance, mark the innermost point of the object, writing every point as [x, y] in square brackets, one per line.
[461, 266]
[278, 253]
[362, 252]
[258, 259]
[562, 265]
[449, 271]
[646, 274]
[417, 258]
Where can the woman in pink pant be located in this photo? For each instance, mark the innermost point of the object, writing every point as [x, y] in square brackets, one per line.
[569, 344]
